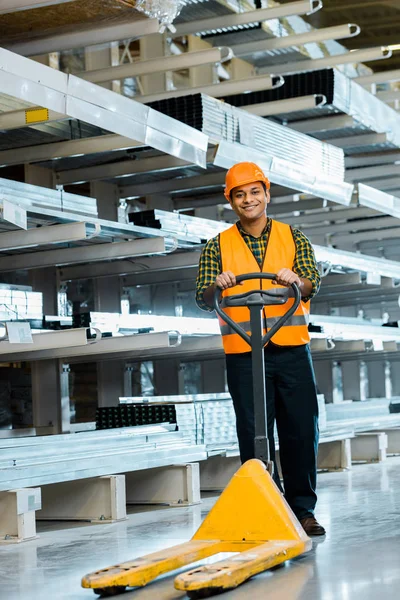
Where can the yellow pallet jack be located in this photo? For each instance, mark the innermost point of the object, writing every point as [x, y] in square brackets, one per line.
[251, 517]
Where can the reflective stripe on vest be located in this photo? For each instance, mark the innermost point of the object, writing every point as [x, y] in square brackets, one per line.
[237, 257]
[293, 321]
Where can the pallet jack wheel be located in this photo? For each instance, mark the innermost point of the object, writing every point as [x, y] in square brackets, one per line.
[110, 591]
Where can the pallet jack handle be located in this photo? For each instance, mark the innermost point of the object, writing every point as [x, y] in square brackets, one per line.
[256, 300]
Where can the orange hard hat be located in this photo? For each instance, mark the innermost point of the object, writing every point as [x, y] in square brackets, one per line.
[242, 174]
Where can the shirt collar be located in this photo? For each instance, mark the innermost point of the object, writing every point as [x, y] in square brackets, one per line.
[244, 232]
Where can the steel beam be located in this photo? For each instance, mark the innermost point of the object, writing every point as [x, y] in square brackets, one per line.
[89, 37]
[370, 159]
[237, 20]
[149, 264]
[129, 345]
[369, 224]
[216, 90]
[372, 172]
[391, 183]
[339, 279]
[83, 254]
[120, 169]
[355, 56]
[381, 77]
[337, 32]
[185, 60]
[354, 141]
[332, 216]
[289, 105]
[56, 150]
[359, 236]
[164, 186]
[48, 340]
[161, 277]
[181, 203]
[55, 234]
[308, 203]
[323, 124]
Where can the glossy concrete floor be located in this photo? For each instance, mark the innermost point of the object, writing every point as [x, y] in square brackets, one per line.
[358, 559]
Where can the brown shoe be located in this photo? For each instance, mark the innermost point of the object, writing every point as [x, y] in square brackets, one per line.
[311, 526]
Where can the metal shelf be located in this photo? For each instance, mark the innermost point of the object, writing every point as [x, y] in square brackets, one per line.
[86, 254]
[49, 341]
[133, 346]
[75, 98]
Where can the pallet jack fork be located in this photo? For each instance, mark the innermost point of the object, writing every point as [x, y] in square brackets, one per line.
[251, 518]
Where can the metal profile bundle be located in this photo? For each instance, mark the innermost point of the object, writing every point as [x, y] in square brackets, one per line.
[178, 224]
[320, 326]
[75, 98]
[36, 197]
[110, 417]
[342, 96]
[206, 419]
[42, 460]
[288, 157]
[20, 304]
[118, 346]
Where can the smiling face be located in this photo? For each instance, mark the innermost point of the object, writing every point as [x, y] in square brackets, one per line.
[250, 201]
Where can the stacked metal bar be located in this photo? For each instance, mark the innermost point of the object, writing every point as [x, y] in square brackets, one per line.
[33, 196]
[289, 158]
[221, 121]
[42, 460]
[207, 419]
[179, 225]
[134, 415]
[343, 96]
[20, 304]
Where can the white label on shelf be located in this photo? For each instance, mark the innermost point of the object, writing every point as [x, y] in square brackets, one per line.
[19, 333]
[14, 214]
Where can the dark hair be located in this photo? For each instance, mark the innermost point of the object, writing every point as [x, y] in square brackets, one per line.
[262, 183]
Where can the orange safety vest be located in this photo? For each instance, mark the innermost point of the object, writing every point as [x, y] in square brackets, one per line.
[237, 257]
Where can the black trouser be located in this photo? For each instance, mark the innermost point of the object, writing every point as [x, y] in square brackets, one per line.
[292, 401]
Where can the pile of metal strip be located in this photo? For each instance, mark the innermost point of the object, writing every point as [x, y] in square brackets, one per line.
[19, 304]
[35, 461]
[207, 419]
[348, 410]
[75, 98]
[322, 327]
[179, 225]
[288, 157]
[111, 417]
[343, 97]
[35, 197]
[96, 231]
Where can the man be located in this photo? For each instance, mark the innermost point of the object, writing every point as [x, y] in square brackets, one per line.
[258, 243]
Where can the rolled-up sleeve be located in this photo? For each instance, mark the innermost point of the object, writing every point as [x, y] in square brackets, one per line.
[209, 268]
[305, 264]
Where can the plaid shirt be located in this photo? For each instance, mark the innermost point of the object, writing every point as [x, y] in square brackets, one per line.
[210, 261]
